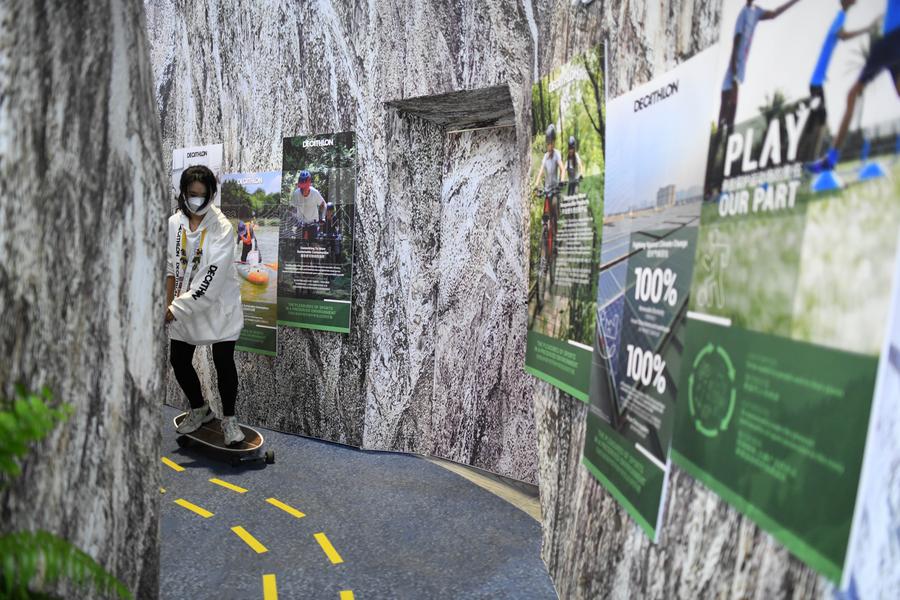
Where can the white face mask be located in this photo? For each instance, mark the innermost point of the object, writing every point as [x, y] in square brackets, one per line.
[195, 202]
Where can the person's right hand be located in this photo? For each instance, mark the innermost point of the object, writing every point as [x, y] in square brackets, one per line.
[169, 316]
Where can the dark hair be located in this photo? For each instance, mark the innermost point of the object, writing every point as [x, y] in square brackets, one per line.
[194, 173]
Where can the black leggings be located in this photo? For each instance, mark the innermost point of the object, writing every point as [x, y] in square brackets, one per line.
[181, 354]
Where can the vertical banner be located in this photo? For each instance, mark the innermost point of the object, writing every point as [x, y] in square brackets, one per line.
[873, 557]
[315, 256]
[251, 201]
[565, 211]
[210, 156]
[792, 279]
[655, 166]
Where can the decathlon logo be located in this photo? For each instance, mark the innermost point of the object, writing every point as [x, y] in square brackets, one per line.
[204, 285]
[197, 153]
[656, 96]
[249, 180]
[317, 143]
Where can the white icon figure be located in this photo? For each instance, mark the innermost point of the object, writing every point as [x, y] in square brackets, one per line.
[609, 334]
[714, 262]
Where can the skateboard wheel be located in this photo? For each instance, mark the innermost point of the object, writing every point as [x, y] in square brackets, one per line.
[270, 457]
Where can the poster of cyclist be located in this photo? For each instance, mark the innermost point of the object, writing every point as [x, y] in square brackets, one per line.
[565, 212]
[315, 250]
[252, 202]
[793, 272]
[655, 165]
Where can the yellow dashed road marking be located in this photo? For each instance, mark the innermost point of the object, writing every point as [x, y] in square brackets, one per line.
[172, 464]
[194, 508]
[346, 595]
[270, 590]
[288, 509]
[329, 550]
[230, 486]
[249, 539]
[162, 490]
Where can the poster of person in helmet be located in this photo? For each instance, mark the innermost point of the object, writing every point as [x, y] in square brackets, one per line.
[565, 214]
[315, 255]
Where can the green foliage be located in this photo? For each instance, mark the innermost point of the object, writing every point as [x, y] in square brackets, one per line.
[319, 158]
[39, 558]
[238, 203]
[577, 107]
[775, 106]
[39, 555]
[580, 111]
[26, 419]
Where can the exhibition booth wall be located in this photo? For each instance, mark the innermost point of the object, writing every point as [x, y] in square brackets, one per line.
[83, 210]
[440, 98]
[433, 360]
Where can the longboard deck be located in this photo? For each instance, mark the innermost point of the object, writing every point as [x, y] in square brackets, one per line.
[211, 434]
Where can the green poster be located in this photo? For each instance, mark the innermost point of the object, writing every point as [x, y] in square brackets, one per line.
[251, 203]
[654, 189]
[565, 212]
[315, 257]
[792, 278]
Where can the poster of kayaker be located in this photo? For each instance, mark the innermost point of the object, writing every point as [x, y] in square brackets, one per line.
[208, 156]
[315, 252]
[251, 203]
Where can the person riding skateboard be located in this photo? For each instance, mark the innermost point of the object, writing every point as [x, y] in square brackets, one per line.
[203, 298]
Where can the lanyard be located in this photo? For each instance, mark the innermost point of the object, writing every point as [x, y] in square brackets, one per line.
[183, 260]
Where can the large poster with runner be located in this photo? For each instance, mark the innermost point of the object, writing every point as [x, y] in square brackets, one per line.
[565, 211]
[655, 167]
[795, 255]
[209, 155]
[315, 255]
[251, 201]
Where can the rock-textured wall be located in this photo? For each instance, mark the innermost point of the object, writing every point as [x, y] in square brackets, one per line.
[250, 73]
[434, 363]
[82, 197]
[482, 405]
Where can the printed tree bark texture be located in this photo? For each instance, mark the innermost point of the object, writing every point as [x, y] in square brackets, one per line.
[82, 217]
[331, 67]
[248, 74]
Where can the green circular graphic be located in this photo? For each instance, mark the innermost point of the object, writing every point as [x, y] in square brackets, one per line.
[711, 390]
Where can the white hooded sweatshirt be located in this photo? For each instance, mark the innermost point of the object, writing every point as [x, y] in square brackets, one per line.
[207, 304]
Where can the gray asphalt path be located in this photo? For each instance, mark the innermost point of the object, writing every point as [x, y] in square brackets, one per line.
[398, 526]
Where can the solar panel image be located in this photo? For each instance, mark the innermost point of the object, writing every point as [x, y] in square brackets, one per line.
[632, 243]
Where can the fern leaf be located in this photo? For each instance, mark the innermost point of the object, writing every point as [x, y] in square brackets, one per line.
[26, 419]
[41, 559]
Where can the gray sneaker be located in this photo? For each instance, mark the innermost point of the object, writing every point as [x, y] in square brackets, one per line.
[233, 433]
[195, 419]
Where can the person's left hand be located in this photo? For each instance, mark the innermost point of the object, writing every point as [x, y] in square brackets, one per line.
[169, 316]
